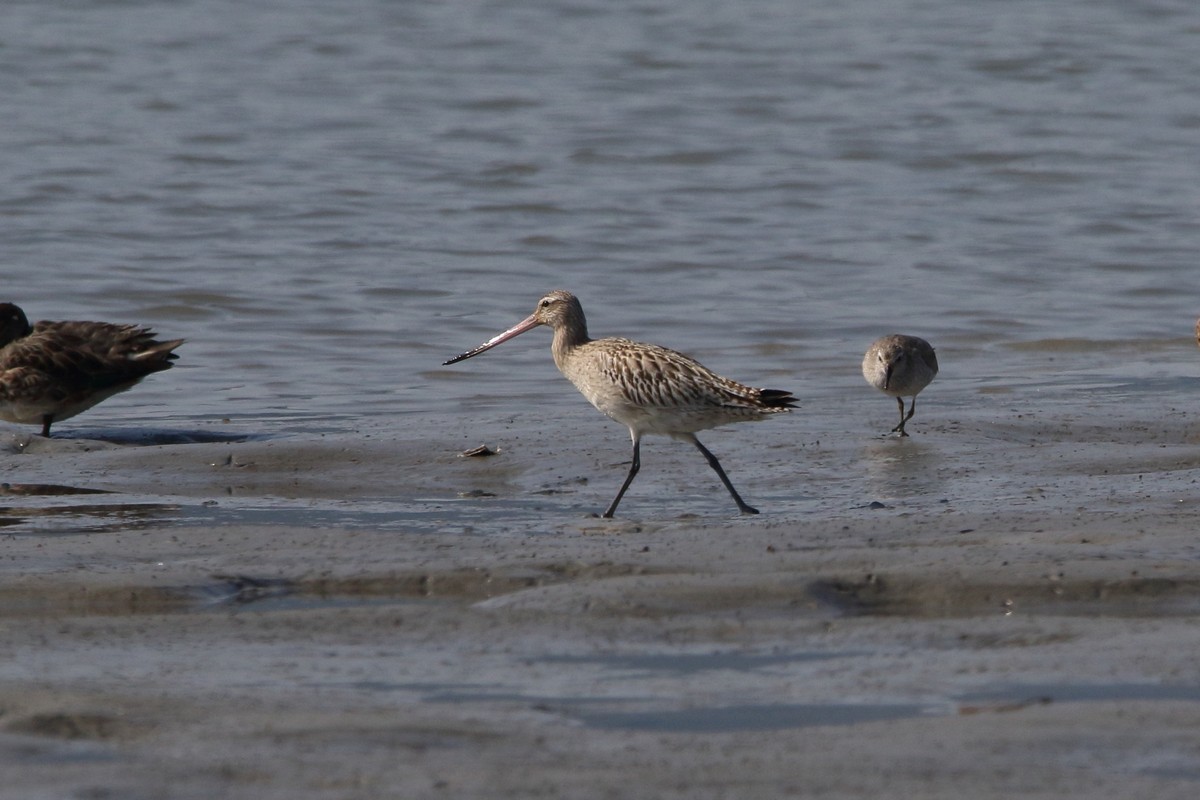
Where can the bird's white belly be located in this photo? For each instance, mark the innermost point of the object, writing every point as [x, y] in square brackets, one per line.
[878, 379]
[24, 413]
[32, 412]
[666, 420]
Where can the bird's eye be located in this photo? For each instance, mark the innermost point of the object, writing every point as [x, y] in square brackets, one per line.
[546, 302]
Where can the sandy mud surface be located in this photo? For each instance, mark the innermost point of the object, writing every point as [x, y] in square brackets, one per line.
[220, 615]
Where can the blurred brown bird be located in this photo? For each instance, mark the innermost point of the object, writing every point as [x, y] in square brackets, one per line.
[52, 371]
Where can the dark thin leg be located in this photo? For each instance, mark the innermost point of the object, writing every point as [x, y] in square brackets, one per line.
[903, 419]
[633, 470]
[716, 465]
[46, 420]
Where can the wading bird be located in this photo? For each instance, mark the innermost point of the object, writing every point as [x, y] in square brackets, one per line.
[647, 388]
[52, 371]
[900, 366]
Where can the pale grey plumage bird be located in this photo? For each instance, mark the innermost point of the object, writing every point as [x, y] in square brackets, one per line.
[647, 388]
[54, 370]
[900, 366]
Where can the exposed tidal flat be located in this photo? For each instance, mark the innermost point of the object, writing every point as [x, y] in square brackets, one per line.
[1003, 603]
[268, 573]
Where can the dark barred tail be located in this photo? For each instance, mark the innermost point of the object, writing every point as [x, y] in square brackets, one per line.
[154, 356]
[777, 398]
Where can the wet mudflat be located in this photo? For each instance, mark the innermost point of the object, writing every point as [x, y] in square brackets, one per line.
[248, 616]
[269, 574]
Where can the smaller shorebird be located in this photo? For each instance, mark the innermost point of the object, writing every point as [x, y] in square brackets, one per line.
[647, 388]
[900, 366]
[54, 370]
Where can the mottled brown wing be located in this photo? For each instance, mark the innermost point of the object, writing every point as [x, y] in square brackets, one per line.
[110, 343]
[19, 383]
[73, 358]
[653, 376]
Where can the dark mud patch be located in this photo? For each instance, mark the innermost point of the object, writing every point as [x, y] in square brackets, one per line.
[1018, 696]
[79, 518]
[935, 597]
[70, 725]
[750, 718]
[683, 664]
[1012, 698]
[45, 490]
[417, 738]
[149, 437]
[226, 592]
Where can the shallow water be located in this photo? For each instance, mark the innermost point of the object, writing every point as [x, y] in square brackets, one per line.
[319, 198]
[327, 203]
